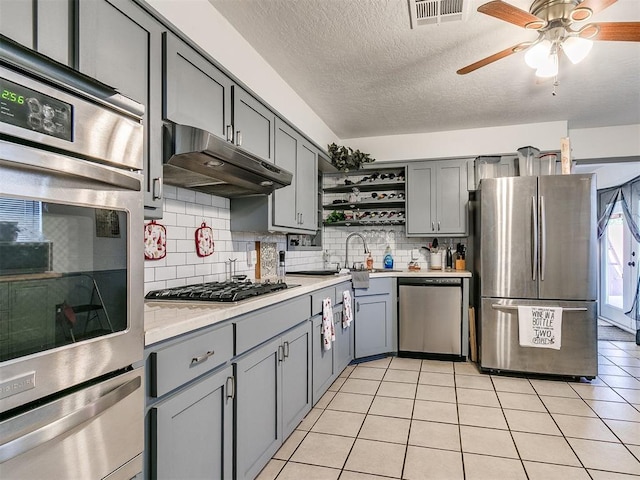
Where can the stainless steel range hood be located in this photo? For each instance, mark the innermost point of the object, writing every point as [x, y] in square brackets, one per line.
[199, 160]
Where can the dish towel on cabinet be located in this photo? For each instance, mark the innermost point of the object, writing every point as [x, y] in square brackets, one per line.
[540, 327]
[347, 316]
[328, 332]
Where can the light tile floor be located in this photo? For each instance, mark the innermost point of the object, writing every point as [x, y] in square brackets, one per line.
[423, 419]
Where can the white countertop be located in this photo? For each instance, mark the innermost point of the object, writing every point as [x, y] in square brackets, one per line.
[163, 320]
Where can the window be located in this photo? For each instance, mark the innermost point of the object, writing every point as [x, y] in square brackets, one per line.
[26, 213]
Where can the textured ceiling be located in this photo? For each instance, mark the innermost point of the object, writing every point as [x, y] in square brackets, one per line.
[365, 72]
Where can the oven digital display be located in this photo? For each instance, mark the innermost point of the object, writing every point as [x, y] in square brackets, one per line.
[26, 108]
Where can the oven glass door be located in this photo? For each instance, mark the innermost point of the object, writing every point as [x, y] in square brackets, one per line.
[63, 274]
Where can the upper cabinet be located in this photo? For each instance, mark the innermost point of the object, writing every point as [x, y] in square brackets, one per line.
[42, 25]
[294, 206]
[291, 209]
[196, 92]
[121, 45]
[253, 125]
[437, 198]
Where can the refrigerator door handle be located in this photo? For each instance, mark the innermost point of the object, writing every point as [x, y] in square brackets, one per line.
[543, 239]
[534, 239]
[497, 306]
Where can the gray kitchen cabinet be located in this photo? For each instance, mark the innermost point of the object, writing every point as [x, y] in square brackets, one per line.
[273, 394]
[295, 205]
[374, 318]
[291, 209]
[30, 325]
[42, 25]
[343, 353]
[196, 92]
[437, 198]
[193, 430]
[253, 125]
[120, 44]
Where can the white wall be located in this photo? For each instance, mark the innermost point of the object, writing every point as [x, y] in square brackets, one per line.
[605, 142]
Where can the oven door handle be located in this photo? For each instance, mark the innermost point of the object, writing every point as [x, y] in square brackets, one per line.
[59, 427]
[52, 162]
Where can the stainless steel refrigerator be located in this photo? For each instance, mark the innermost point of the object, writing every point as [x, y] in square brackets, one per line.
[536, 245]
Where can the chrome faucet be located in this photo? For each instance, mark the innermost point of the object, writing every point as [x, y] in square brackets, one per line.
[346, 247]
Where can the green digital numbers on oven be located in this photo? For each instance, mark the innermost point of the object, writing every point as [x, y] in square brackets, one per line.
[12, 96]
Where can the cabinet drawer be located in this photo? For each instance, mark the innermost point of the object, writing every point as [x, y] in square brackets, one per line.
[318, 296]
[254, 329]
[339, 291]
[181, 362]
[377, 286]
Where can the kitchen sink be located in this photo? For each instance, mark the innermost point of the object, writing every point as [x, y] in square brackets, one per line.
[314, 272]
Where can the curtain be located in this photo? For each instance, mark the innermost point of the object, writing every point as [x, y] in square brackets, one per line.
[617, 195]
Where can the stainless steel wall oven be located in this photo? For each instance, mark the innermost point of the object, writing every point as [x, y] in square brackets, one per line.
[71, 273]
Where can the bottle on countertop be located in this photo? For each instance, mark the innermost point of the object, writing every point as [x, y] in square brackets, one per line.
[369, 262]
[387, 260]
[449, 258]
[281, 267]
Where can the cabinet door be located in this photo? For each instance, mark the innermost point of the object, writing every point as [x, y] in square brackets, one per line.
[322, 361]
[17, 21]
[343, 344]
[120, 44]
[253, 125]
[307, 186]
[296, 377]
[452, 198]
[258, 420]
[285, 212]
[373, 329]
[421, 199]
[196, 92]
[193, 431]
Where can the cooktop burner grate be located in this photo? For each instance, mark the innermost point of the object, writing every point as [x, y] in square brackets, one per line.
[216, 291]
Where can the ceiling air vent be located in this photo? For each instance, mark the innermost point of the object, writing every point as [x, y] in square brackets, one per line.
[428, 12]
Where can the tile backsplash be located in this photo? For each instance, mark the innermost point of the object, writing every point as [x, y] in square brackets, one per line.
[185, 210]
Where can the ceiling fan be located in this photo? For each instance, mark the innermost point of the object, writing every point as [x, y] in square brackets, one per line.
[554, 21]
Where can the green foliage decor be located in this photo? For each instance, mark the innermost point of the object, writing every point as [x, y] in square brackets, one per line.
[345, 158]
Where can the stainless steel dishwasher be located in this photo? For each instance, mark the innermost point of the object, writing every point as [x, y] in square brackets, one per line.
[430, 316]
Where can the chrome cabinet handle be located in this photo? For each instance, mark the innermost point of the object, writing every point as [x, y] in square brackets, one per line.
[433, 227]
[497, 306]
[238, 138]
[60, 426]
[285, 349]
[230, 133]
[230, 386]
[280, 353]
[202, 358]
[157, 188]
[438, 226]
[357, 306]
[534, 238]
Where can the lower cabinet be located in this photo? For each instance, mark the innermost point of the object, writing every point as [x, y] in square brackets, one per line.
[273, 394]
[374, 318]
[193, 431]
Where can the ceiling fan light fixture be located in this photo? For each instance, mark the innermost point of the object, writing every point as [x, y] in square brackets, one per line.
[549, 68]
[537, 55]
[576, 48]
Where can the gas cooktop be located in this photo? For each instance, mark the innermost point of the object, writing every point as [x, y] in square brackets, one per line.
[216, 291]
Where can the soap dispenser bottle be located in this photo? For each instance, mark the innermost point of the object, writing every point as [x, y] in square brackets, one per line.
[387, 260]
[369, 262]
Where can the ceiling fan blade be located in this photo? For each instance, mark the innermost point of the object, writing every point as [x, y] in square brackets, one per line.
[511, 14]
[612, 31]
[590, 7]
[486, 61]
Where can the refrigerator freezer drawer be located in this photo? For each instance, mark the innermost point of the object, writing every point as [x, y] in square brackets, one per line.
[500, 349]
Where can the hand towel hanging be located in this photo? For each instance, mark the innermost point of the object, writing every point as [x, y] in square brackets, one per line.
[328, 332]
[347, 311]
[540, 327]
